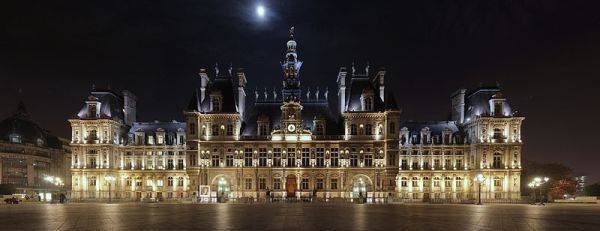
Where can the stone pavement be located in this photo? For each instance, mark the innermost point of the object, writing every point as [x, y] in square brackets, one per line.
[297, 216]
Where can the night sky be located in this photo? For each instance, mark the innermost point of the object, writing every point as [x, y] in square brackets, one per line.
[544, 53]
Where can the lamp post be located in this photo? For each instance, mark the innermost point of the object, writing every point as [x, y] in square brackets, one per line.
[537, 182]
[109, 179]
[479, 179]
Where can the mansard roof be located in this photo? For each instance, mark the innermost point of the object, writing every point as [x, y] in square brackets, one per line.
[272, 110]
[223, 85]
[477, 102]
[149, 129]
[29, 132]
[435, 128]
[111, 105]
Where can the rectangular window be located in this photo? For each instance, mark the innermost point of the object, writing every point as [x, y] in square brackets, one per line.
[262, 157]
[305, 157]
[277, 157]
[248, 183]
[320, 157]
[459, 163]
[368, 160]
[248, 157]
[335, 158]
[262, 183]
[215, 160]
[170, 164]
[404, 164]
[277, 183]
[229, 129]
[180, 164]
[291, 157]
[305, 184]
[229, 160]
[334, 183]
[353, 160]
[319, 184]
[391, 158]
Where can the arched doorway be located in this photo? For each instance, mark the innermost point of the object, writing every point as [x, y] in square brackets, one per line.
[360, 188]
[223, 188]
[291, 185]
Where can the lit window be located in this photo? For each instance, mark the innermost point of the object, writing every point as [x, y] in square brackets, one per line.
[15, 138]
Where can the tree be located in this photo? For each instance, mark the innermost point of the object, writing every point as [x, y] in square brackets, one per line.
[592, 190]
[561, 180]
[7, 189]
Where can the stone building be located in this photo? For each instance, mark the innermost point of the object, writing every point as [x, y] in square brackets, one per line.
[296, 142]
[30, 154]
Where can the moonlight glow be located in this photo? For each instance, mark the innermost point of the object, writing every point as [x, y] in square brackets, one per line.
[260, 11]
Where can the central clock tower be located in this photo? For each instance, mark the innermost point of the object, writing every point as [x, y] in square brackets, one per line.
[291, 120]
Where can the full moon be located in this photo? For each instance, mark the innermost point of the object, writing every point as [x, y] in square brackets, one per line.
[260, 11]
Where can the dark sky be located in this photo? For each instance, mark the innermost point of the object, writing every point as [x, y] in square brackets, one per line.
[544, 53]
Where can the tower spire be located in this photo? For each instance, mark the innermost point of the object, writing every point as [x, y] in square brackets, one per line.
[291, 67]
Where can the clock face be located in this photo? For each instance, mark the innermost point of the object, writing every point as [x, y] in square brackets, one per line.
[291, 127]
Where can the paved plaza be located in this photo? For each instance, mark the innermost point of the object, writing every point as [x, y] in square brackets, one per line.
[298, 216]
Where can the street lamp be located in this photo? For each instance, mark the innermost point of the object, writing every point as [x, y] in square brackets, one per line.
[109, 179]
[537, 182]
[479, 179]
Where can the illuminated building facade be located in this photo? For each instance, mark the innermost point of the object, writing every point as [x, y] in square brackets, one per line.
[30, 154]
[296, 142]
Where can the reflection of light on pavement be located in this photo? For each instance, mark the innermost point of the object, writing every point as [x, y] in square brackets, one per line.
[223, 217]
[360, 220]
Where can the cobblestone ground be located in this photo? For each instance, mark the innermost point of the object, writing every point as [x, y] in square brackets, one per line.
[130, 216]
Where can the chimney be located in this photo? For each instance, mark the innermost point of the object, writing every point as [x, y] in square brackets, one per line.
[241, 76]
[130, 102]
[341, 80]
[203, 84]
[458, 105]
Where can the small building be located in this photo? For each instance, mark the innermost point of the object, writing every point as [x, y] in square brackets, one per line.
[30, 156]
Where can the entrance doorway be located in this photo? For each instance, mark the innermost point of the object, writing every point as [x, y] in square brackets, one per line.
[291, 185]
[223, 189]
[359, 189]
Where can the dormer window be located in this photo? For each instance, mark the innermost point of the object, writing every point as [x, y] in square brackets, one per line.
[92, 110]
[262, 129]
[160, 139]
[40, 142]
[151, 140]
[498, 108]
[319, 129]
[15, 138]
[215, 102]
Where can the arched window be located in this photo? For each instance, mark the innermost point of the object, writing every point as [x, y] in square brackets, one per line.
[170, 181]
[319, 129]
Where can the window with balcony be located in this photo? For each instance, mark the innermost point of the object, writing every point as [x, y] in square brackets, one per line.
[335, 158]
[353, 160]
[305, 157]
[277, 157]
[229, 160]
[262, 157]
[248, 157]
[368, 160]
[320, 152]
[216, 160]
